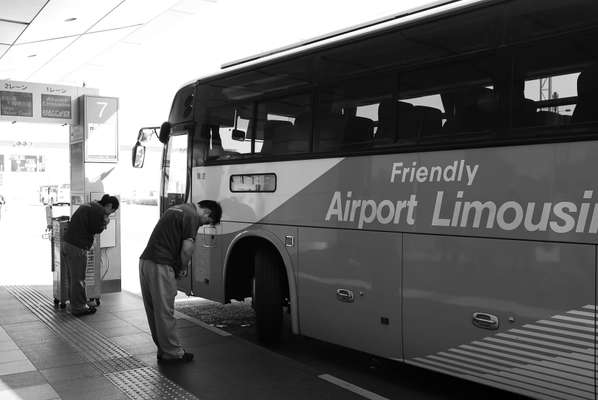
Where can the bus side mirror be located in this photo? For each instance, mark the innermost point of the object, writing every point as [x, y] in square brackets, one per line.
[164, 132]
[238, 135]
[145, 134]
[138, 155]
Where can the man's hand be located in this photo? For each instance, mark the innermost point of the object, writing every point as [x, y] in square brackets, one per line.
[186, 252]
[181, 274]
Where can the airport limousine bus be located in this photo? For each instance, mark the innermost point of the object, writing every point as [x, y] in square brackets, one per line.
[423, 188]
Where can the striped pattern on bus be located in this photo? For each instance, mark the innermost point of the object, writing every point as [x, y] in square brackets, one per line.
[549, 359]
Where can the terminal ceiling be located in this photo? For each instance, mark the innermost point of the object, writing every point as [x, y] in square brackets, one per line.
[64, 41]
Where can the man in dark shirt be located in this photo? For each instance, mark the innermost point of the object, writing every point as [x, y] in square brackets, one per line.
[165, 258]
[88, 220]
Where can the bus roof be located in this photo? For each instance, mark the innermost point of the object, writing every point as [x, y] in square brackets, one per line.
[393, 20]
[418, 14]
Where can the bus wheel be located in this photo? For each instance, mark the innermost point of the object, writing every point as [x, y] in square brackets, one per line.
[268, 297]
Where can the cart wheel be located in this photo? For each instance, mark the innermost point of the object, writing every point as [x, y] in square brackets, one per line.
[62, 305]
[98, 302]
[56, 302]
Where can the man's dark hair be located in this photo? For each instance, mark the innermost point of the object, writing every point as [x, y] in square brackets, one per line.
[107, 199]
[215, 209]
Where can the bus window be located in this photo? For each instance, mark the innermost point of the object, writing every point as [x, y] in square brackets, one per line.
[555, 83]
[348, 113]
[444, 100]
[175, 183]
[553, 100]
[229, 131]
[283, 126]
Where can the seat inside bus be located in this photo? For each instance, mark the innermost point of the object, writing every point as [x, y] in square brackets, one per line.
[282, 137]
[587, 95]
[428, 120]
[470, 109]
[385, 128]
[275, 132]
[343, 130]
[395, 115]
[358, 131]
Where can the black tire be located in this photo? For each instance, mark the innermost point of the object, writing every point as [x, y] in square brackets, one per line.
[56, 302]
[98, 302]
[62, 305]
[268, 296]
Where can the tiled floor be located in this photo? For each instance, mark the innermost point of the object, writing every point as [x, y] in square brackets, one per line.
[45, 353]
[20, 379]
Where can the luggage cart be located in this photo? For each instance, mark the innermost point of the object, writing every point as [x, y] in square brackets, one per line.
[59, 273]
[93, 279]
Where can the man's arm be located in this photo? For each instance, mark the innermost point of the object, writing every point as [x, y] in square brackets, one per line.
[97, 221]
[186, 253]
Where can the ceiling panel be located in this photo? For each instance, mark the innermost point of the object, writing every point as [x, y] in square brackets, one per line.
[10, 31]
[95, 44]
[27, 58]
[122, 53]
[158, 28]
[88, 74]
[22, 10]
[192, 6]
[133, 12]
[50, 23]
[7, 74]
[80, 52]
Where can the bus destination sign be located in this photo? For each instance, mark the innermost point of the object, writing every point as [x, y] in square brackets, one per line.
[56, 106]
[16, 104]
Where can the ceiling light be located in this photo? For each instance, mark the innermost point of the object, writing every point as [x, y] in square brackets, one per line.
[70, 19]
[32, 55]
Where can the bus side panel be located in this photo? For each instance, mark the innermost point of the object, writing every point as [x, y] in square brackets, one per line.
[349, 286]
[206, 274]
[542, 294]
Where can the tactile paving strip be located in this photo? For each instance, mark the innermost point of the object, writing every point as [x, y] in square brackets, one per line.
[89, 342]
[118, 364]
[126, 372]
[147, 384]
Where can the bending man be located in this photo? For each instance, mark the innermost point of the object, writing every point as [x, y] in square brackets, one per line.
[88, 220]
[166, 258]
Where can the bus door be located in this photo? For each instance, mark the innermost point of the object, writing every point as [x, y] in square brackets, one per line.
[513, 314]
[175, 182]
[349, 284]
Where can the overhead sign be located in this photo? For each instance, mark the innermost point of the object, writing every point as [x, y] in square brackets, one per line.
[56, 106]
[16, 104]
[101, 128]
[40, 102]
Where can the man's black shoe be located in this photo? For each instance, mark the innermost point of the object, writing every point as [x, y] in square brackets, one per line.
[186, 357]
[86, 311]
